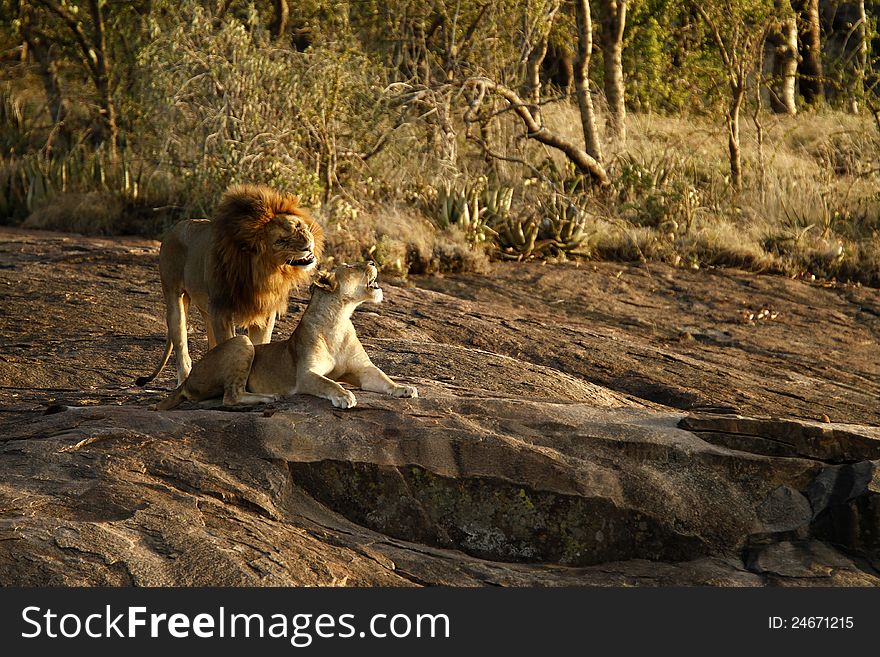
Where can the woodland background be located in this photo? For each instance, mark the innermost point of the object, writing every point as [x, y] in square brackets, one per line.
[435, 135]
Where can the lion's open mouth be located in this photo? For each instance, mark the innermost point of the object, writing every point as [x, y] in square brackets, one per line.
[302, 262]
[374, 284]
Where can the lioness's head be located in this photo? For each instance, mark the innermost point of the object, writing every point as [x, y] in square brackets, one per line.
[291, 242]
[351, 283]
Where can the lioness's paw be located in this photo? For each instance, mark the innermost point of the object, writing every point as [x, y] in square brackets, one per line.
[344, 400]
[404, 391]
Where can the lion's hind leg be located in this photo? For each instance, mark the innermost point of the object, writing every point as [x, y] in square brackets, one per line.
[176, 307]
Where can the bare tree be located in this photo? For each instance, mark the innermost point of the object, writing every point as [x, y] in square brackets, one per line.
[99, 58]
[537, 38]
[782, 59]
[812, 85]
[39, 44]
[613, 19]
[582, 80]
[90, 39]
[739, 39]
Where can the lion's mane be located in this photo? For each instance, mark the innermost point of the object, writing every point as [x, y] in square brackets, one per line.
[250, 283]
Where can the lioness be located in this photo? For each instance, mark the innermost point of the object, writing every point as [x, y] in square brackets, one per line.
[323, 349]
[238, 268]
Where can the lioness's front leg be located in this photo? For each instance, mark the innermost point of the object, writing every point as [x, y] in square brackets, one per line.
[313, 383]
[373, 379]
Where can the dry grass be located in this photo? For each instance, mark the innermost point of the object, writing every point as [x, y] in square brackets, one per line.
[810, 204]
[400, 240]
[95, 213]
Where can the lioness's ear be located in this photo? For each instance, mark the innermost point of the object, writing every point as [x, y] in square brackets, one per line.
[326, 280]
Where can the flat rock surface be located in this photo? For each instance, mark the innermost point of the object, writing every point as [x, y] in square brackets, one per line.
[605, 424]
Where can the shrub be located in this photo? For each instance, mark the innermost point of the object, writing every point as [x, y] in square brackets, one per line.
[244, 110]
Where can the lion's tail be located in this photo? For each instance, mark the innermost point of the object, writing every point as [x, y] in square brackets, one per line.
[173, 400]
[144, 380]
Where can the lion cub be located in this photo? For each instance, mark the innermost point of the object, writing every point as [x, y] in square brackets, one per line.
[323, 349]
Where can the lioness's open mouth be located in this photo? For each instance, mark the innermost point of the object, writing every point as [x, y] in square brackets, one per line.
[374, 284]
[301, 262]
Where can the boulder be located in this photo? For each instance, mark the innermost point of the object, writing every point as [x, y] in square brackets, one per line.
[599, 426]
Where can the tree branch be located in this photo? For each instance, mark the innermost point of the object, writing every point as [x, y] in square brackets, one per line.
[716, 35]
[586, 163]
[69, 19]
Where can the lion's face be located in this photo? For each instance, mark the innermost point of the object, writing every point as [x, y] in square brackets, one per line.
[353, 283]
[290, 242]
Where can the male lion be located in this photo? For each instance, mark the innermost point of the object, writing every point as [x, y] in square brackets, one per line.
[238, 268]
[323, 349]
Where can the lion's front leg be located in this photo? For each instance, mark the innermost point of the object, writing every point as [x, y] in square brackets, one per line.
[313, 383]
[222, 329]
[375, 380]
[262, 334]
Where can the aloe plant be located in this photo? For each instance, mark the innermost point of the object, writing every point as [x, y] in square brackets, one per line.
[517, 238]
[563, 226]
[472, 210]
[496, 203]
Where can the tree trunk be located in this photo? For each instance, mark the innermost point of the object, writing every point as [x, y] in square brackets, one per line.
[858, 91]
[613, 24]
[533, 76]
[783, 61]
[60, 136]
[811, 73]
[537, 52]
[440, 131]
[38, 45]
[49, 76]
[582, 81]
[738, 92]
[279, 19]
[92, 44]
[102, 78]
